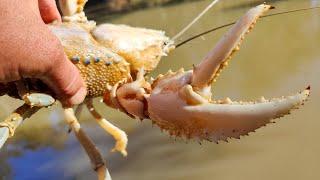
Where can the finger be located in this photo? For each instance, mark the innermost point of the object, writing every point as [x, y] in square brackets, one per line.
[49, 11]
[58, 72]
[65, 80]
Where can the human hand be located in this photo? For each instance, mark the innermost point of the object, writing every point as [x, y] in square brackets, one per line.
[49, 11]
[30, 50]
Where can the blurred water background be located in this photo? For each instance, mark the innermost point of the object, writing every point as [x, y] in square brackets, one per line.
[279, 57]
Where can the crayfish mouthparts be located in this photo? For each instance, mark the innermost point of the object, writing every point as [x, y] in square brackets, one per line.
[181, 103]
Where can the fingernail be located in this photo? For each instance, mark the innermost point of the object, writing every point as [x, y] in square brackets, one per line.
[78, 97]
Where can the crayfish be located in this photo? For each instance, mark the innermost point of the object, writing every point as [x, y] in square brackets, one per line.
[113, 61]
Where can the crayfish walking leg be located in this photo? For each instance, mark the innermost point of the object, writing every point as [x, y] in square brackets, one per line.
[119, 135]
[99, 164]
[33, 102]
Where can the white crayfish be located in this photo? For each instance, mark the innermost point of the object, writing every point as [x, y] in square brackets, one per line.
[114, 59]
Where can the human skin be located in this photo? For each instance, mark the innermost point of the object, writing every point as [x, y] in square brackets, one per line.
[28, 49]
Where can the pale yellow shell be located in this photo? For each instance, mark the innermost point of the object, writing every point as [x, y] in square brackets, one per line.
[99, 54]
[98, 65]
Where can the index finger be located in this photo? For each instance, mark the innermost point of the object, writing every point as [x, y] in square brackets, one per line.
[49, 11]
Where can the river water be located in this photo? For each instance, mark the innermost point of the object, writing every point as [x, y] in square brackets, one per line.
[279, 57]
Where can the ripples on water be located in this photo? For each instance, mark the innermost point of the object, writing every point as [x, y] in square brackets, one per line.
[281, 56]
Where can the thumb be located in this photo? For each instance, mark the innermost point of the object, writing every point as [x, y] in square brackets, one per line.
[49, 11]
[64, 78]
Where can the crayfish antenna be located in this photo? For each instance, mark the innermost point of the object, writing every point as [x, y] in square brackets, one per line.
[196, 19]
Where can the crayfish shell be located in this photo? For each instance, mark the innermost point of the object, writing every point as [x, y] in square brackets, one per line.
[139, 46]
[99, 66]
